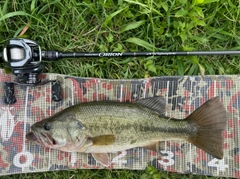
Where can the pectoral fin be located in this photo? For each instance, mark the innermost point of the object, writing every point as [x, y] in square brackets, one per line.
[102, 158]
[103, 139]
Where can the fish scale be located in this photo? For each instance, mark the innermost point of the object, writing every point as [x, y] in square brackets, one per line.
[136, 122]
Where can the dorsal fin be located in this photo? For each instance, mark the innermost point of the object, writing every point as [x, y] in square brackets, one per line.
[157, 104]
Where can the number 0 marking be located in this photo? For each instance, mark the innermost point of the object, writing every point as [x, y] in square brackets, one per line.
[27, 155]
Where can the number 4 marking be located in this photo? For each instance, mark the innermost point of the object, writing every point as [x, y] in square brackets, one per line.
[219, 164]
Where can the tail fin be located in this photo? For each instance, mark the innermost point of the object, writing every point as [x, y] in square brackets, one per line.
[210, 121]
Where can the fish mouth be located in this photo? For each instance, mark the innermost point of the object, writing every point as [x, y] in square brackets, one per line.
[42, 139]
[30, 136]
[51, 141]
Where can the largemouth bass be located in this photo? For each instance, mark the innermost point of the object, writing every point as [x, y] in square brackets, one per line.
[105, 126]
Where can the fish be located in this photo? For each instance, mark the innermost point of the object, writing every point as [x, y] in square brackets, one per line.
[102, 127]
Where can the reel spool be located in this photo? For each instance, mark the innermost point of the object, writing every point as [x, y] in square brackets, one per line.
[24, 58]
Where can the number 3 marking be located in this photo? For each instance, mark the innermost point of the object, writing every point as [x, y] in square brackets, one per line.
[166, 160]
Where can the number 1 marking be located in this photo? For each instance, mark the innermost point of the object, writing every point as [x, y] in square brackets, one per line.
[116, 159]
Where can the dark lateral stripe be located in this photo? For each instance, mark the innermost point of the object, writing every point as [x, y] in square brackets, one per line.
[175, 130]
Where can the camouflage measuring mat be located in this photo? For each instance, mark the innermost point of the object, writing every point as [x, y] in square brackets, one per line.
[182, 94]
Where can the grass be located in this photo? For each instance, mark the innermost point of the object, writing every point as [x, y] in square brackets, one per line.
[127, 25]
[149, 173]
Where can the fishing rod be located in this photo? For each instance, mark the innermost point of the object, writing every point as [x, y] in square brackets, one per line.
[24, 58]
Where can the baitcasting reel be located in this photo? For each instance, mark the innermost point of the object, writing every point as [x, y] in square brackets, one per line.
[24, 58]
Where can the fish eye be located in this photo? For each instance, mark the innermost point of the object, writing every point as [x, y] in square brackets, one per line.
[47, 126]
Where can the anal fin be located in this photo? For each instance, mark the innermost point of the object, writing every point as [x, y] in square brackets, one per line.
[102, 158]
[152, 147]
[156, 147]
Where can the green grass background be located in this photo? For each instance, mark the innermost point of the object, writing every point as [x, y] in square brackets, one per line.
[127, 25]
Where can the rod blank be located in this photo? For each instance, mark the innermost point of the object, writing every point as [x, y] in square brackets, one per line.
[58, 55]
